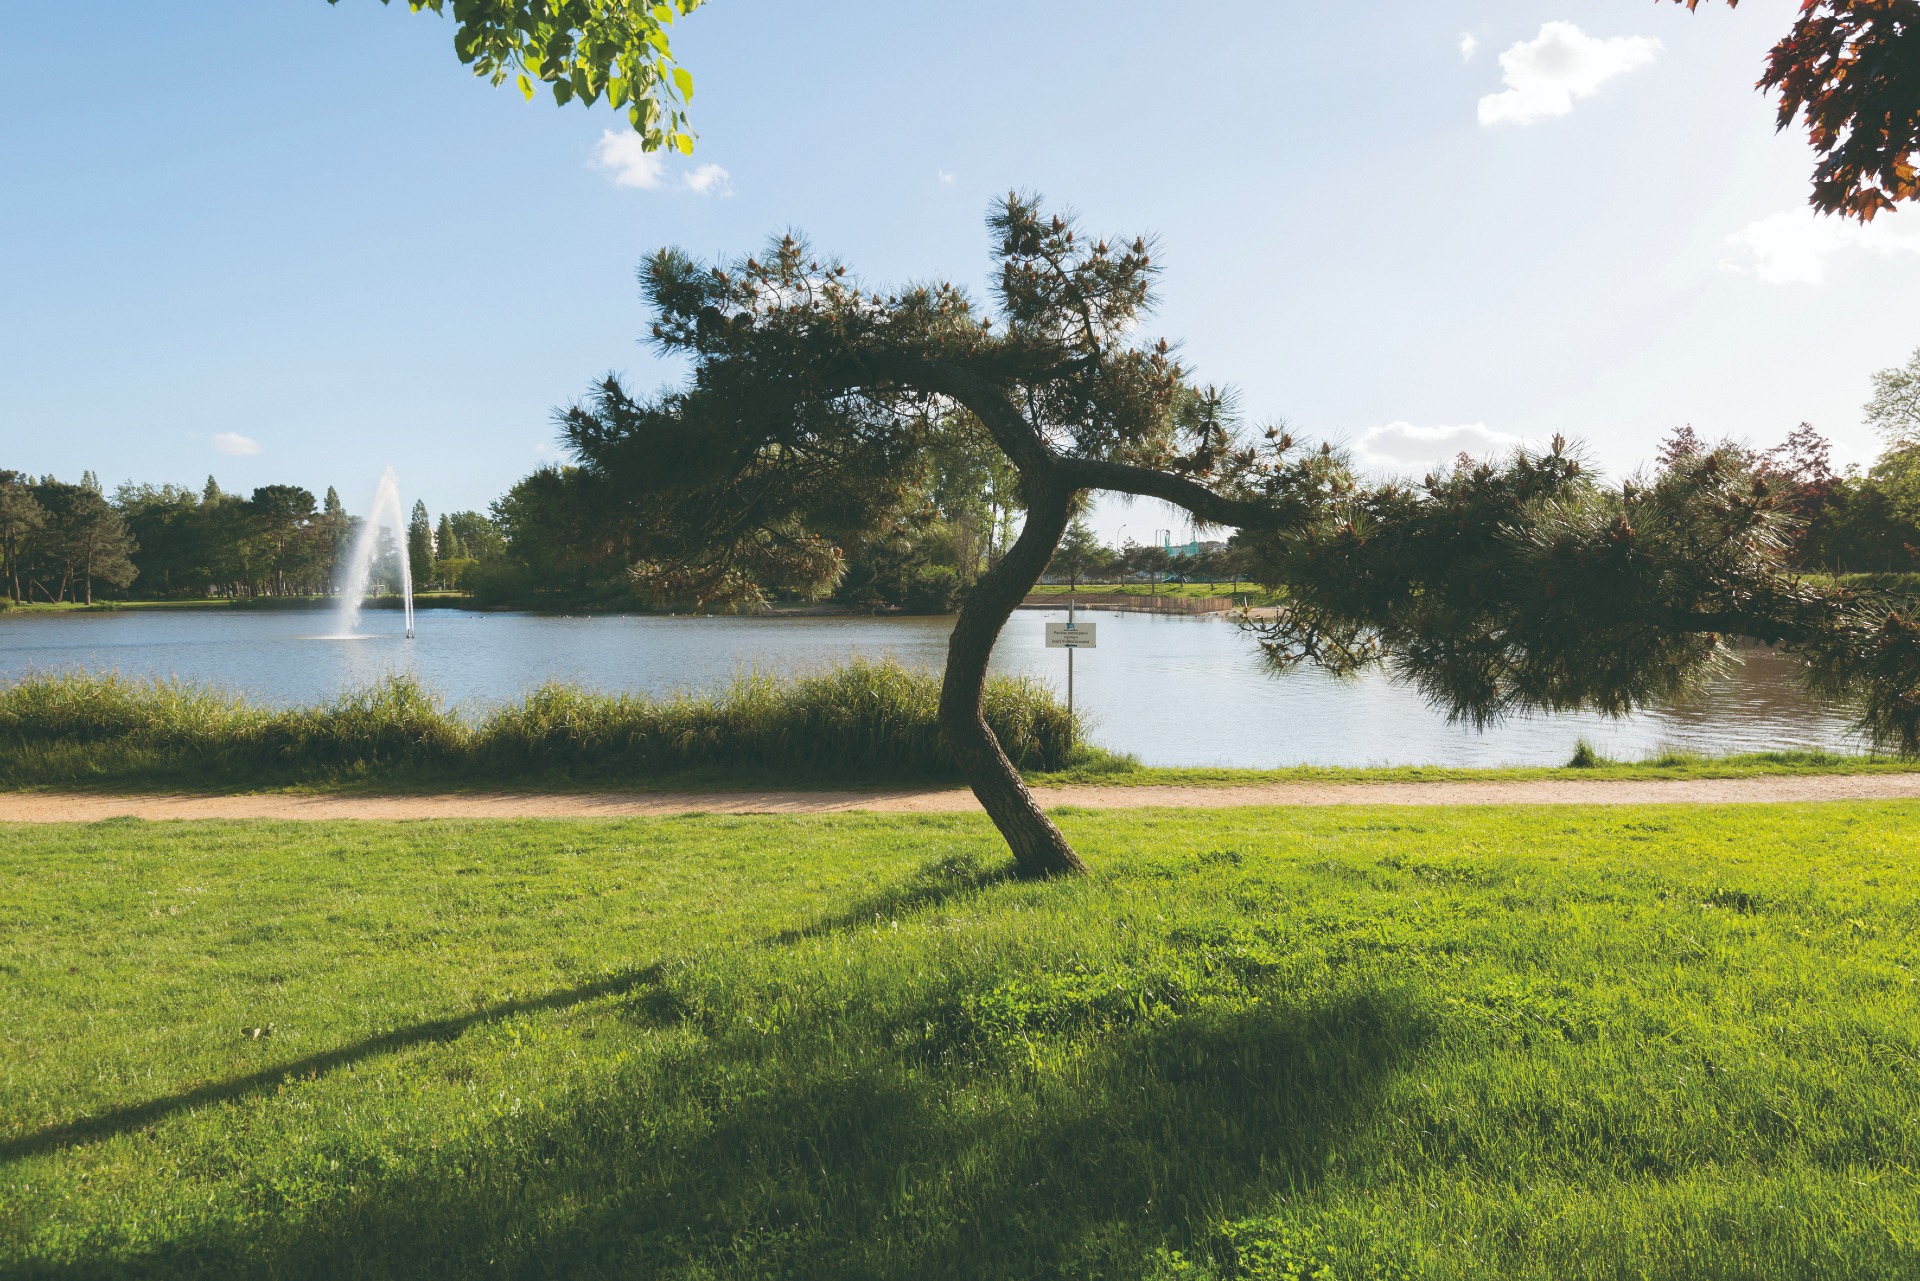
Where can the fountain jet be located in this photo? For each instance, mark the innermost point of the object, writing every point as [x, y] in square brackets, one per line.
[383, 514]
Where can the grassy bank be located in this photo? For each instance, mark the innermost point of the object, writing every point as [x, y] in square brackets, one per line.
[865, 721]
[863, 725]
[1352, 1044]
[1117, 771]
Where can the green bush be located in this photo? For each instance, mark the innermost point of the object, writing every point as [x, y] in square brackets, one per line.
[863, 719]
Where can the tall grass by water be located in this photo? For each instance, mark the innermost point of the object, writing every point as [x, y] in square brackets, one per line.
[864, 719]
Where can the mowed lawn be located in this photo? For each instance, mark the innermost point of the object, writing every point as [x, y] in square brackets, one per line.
[1350, 1043]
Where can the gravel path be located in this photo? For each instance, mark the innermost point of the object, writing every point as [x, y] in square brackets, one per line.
[50, 807]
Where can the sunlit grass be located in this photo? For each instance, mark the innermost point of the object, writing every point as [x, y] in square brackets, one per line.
[1544, 1043]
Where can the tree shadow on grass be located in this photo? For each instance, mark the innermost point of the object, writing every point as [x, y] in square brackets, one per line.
[751, 1158]
[136, 1116]
[931, 885]
[838, 1143]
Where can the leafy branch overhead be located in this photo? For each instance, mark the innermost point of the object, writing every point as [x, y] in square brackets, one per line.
[1852, 69]
[584, 51]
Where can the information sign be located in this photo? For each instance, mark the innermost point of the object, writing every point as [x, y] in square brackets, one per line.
[1070, 635]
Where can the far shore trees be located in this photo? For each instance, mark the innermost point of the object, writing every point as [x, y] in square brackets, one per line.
[1494, 588]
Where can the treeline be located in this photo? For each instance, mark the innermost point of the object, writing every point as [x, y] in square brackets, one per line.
[1855, 521]
[68, 542]
[566, 536]
[1082, 558]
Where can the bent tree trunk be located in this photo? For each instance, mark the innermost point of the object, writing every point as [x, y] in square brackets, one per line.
[1039, 849]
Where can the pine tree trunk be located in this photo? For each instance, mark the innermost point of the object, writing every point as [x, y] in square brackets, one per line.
[1039, 850]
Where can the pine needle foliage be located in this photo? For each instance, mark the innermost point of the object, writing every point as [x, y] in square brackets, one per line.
[1496, 587]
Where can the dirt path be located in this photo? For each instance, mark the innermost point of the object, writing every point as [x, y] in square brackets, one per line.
[36, 807]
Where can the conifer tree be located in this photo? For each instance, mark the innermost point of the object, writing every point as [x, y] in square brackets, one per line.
[1496, 588]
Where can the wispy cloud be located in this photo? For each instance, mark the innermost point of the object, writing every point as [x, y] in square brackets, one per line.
[1468, 45]
[1401, 445]
[234, 445]
[629, 164]
[946, 178]
[1793, 248]
[709, 180]
[1545, 74]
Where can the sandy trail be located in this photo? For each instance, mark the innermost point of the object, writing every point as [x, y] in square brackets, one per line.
[50, 807]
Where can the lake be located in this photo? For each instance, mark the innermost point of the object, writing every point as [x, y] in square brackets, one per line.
[1170, 690]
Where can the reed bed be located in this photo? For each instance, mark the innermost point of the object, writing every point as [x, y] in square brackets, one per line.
[864, 719]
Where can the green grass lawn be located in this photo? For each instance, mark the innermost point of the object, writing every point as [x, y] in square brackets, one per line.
[1542, 1043]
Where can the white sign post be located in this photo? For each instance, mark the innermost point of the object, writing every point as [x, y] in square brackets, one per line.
[1070, 636]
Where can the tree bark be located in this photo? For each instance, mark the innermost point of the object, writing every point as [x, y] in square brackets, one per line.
[1039, 850]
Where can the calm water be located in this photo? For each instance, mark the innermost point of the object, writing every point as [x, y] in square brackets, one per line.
[1170, 690]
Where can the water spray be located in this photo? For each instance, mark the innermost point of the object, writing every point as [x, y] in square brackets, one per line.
[384, 513]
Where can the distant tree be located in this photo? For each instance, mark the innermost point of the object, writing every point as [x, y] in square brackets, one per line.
[1681, 443]
[106, 545]
[161, 519]
[233, 554]
[446, 544]
[333, 534]
[559, 542]
[1144, 560]
[1852, 68]
[420, 545]
[1078, 554]
[281, 517]
[1894, 411]
[1896, 476]
[21, 517]
[1805, 487]
[1495, 588]
[479, 536]
[582, 50]
[83, 538]
[907, 566]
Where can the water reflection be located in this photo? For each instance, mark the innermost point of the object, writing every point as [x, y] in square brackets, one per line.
[1171, 690]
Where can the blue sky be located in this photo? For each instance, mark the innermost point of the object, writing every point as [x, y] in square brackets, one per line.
[305, 229]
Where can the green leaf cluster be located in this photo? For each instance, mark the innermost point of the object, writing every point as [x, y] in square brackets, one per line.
[582, 50]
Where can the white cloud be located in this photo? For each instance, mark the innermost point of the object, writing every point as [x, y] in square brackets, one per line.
[1401, 445]
[1467, 46]
[946, 178]
[630, 164]
[621, 154]
[709, 180]
[1792, 248]
[1544, 75]
[234, 445]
